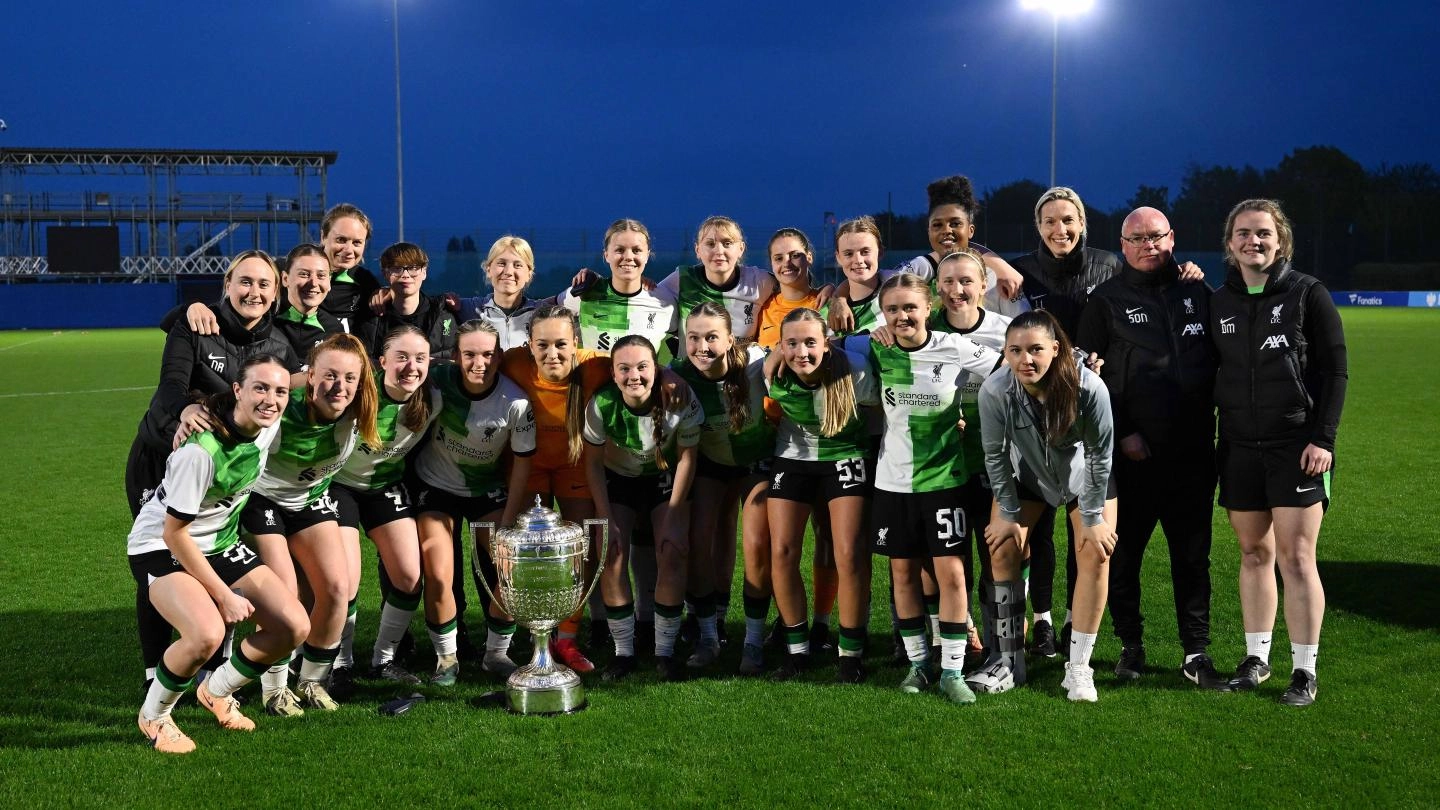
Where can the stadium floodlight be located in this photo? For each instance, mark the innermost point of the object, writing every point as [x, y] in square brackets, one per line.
[1057, 9]
[399, 143]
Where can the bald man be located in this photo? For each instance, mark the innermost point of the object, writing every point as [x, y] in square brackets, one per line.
[1150, 327]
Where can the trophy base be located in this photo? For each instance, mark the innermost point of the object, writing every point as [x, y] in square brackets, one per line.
[556, 691]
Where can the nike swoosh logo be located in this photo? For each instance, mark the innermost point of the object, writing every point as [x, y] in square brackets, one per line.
[1133, 311]
[952, 545]
[215, 356]
[848, 486]
[1224, 321]
[1307, 489]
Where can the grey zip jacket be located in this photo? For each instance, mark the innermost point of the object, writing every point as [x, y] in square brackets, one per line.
[1012, 434]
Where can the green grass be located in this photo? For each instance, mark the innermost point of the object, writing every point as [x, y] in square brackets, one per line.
[71, 681]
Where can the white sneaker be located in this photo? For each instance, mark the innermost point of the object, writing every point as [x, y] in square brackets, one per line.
[1080, 682]
[497, 662]
[992, 678]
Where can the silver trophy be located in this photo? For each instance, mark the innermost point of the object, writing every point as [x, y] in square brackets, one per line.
[540, 576]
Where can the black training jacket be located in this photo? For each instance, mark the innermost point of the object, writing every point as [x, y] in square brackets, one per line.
[1282, 373]
[199, 365]
[1152, 331]
[431, 317]
[348, 301]
[1063, 286]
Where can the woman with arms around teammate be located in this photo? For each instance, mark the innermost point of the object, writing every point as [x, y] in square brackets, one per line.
[509, 267]
[292, 514]
[204, 364]
[720, 278]
[640, 463]
[185, 548]
[1280, 388]
[1048, 437]
[612, 308]
[736, 444]
[917, 518]
[820, 449]
[406, 265]
[459, 475]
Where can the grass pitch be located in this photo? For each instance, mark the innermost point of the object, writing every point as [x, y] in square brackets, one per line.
[71, 682]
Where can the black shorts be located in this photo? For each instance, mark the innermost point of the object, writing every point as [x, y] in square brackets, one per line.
[641, 493]
[144, 470]
[426, 498]
[915, 525]
[1254, 478]
[230, 565]
[263, 516]
[818, 481]
[371, 508]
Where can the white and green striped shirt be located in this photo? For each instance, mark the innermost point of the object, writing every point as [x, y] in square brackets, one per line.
[798, 435]
[751, 287]
[306, 457]
[463, 456]
[629, 437]
[719, 442]
[606, 315]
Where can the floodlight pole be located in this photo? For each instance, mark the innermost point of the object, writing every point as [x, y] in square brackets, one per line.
[1054, 88]
[399, 142]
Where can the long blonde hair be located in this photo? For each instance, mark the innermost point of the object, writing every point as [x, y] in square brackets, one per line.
[835, 382]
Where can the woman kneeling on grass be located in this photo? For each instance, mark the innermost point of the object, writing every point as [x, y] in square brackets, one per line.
[640, 463]
[1048, 438]
[185, 546]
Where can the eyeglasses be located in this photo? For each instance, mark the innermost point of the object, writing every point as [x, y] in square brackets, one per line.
[406, 270]
[1141, 240]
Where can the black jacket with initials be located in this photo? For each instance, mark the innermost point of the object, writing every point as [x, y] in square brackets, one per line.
[1063, 286]
[1283, 369]
[1152, 331]
[194, 366]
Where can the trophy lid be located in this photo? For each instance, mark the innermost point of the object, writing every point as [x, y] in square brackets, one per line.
[537, 518]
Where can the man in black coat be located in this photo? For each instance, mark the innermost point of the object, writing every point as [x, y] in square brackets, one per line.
[1150, 328]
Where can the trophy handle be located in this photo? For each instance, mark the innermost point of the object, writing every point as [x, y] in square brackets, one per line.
[604, 549]
[488, 549]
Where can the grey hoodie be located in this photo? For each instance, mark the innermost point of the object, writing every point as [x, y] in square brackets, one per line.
[1015, 447]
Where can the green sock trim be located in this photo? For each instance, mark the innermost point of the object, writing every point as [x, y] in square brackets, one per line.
[500, 626]
[350, 609]
[797, 634]
[244, 665]
[669, 611]
[315, 655]
[932, 604]
[620, 612]
[852, 639]
[170, 680]
[443, 627]
[403, 601]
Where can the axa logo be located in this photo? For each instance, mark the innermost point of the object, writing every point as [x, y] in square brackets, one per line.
[1227, 327]
[1193, 329]
[1275, 313]
[1275, 342]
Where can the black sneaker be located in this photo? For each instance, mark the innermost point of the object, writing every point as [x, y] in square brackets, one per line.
[1301, 691]
[1132, 662]
[599, 634]
[722, 634]
[1042, 639]
[792, 665]
[669, 668]
[820, 639]
[342, 683]
[1201, 672]
[1250, 674]
[619, 667]
[851, 669]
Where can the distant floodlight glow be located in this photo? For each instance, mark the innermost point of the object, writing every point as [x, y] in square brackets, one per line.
[1058, 7]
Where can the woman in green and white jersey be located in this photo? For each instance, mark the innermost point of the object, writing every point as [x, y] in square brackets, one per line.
[736, 444]
[640, 463]
[612, 308]
[370, 491]
[185, 547]
[961, 282]
[917, 519]
[292, 513]
[858, 250]
[459, 475]
[720, 279]
[820, 449]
